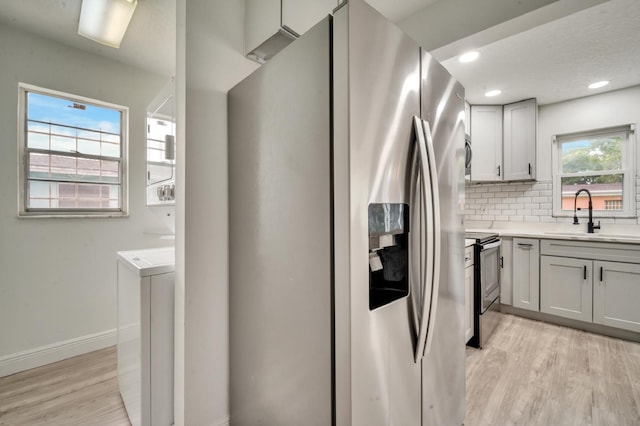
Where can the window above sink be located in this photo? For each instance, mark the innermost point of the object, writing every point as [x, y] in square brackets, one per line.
[601, 161]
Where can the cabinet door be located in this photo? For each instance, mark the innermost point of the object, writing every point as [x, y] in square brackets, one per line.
[520, 140]
[301, 15]
[486, 142]
[506, 283]
[468, 305]
[616, 292]
[566, 287]
[526, 282]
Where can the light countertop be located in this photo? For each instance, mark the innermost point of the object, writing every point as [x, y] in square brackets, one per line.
[628, 234]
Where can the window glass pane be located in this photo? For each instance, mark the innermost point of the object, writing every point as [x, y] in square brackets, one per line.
[58, 167]
[36, 126]
[63, 143]
[37, 140]
[606, 192]
[108, 137]
[592, 154]
[66, 195]
[88, 147]
[110, 150]
[88, 134]
[63, 130]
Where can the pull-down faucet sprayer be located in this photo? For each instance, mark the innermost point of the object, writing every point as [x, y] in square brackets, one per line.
[590, 225]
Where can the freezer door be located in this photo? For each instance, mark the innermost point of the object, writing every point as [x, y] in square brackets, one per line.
[377, 94]
[443, 367]
[280, 238]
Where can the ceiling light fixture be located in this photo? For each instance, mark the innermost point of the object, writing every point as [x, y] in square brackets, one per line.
[106, 21]
[468, 57]
[598, 84]
[492, 93]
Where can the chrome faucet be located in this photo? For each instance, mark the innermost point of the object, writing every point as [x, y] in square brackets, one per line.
[590, 225]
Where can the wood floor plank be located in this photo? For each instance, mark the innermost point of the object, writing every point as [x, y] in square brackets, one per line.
[532, 373]
[77, 391]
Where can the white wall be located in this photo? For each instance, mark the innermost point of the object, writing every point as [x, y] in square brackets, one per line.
[593, 112]
[58, 279]
[532, 201]
[211, 62]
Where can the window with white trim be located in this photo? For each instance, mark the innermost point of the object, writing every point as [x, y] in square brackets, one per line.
[72, 155]
[601, 161]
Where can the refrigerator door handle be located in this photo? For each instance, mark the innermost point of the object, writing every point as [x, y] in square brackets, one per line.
[426, 260]
[436, 235]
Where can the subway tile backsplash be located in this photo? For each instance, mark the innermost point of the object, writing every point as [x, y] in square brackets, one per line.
[521, 202]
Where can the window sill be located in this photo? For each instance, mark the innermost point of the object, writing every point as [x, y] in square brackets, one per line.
[23, 215]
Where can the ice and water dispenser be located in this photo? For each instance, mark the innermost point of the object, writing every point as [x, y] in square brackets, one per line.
[388, 253]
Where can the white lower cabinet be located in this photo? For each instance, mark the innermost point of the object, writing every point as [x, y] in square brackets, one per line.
[526, 274]
[616, 292]
[468, 286]
[566, 287]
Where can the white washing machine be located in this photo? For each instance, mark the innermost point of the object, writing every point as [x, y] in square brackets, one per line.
[145, 334]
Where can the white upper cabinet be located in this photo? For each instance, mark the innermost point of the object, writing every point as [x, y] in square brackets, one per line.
[486, 143]
[503, 140]
[520, 140]
[270, 25]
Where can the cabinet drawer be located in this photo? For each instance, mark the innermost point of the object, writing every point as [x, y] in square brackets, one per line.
[614, 252]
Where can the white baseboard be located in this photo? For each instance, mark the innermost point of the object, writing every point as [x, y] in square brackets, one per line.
[58, 351]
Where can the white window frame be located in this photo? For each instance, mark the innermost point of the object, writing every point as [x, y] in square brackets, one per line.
[628, 171]
[23, 211]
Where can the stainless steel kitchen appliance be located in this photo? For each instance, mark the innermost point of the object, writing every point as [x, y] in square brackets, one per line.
[487, 264]
[346, 171]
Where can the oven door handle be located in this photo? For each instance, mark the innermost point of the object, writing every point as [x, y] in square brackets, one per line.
[491, 245]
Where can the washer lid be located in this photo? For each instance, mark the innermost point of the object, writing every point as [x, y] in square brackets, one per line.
[150, 261]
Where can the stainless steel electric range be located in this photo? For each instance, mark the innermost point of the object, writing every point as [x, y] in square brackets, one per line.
[487, 264]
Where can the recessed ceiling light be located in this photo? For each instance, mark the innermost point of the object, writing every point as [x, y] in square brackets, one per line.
[492, 93]
[598, 85]
[469, 57]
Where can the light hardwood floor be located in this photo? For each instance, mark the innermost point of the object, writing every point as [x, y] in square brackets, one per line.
[77, 391]
[533, 373]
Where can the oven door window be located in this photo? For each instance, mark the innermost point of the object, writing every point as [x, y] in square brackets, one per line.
[490, 276]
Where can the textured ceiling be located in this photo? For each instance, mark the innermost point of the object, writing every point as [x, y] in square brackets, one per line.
[551, 61]
[148, 44]
[557, 60]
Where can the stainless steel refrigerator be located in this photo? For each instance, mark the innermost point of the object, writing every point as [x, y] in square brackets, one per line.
[346, 183]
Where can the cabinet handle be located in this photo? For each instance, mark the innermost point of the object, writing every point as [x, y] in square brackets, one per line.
[502, 262]
[601, 274]
[584, 269]
[525, 245]
[529, 169]
[498, 170]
